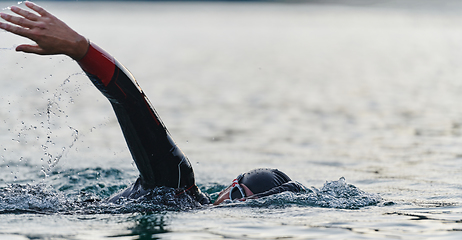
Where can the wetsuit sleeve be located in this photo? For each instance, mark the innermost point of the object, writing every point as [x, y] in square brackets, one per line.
[291, 186]
[158, 158]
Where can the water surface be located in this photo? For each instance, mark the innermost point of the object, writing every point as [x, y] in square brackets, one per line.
[319, 91]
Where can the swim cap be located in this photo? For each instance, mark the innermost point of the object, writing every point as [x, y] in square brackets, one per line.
[261, 180]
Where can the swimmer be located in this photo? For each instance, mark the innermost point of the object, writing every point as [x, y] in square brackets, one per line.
[157, 157]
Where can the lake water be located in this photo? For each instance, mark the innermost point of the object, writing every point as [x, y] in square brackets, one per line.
[360, 103]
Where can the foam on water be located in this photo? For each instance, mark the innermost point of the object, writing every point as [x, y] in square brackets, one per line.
[17, 198]
[27, 198]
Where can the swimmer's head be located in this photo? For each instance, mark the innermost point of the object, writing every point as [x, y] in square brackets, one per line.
[254, 182]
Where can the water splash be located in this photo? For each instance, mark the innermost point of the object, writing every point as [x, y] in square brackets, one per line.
[18, 199]
[53, 161]
[340, 194]
[54, 109]
[84, 192]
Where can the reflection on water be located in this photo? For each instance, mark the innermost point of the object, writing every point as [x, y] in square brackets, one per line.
[146, 226]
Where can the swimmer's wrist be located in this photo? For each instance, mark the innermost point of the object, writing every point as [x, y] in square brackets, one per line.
[79, 48]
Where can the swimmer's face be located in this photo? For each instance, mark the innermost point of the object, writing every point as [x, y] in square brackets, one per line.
[225, 193]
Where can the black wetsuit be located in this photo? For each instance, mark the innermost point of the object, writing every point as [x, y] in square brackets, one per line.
[157, 157]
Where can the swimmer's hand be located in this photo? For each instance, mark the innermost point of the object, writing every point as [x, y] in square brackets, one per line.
[52, 35]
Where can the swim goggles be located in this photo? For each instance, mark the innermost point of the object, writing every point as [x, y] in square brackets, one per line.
[235, 185]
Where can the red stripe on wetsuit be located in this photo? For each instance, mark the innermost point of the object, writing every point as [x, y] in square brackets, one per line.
[99, 63]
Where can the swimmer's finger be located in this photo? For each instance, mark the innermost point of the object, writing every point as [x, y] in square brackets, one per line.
[18, 21]
[30, 49]
[16, 30]
[38, 9]
[28, 15]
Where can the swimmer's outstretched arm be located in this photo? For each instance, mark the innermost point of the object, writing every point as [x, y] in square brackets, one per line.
[158, 158]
